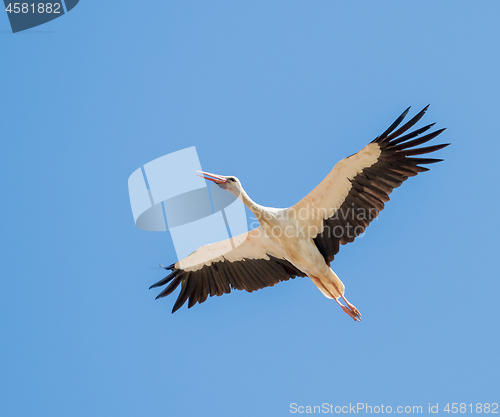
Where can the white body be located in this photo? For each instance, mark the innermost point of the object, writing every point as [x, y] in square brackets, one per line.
[297, 247]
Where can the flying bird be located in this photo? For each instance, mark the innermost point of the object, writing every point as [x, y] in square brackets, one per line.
[304, 239]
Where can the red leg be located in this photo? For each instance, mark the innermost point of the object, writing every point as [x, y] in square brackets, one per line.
[353, 309]
[349, 311]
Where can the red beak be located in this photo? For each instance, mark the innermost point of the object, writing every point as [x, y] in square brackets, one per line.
[215, 178]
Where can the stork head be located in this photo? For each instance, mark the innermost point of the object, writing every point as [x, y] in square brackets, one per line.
[231, 184]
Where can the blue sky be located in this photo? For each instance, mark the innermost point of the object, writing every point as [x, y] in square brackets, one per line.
[274, 93]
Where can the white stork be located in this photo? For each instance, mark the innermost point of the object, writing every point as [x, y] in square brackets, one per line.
[303, 239]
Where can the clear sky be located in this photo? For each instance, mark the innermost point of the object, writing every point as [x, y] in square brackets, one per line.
[274, 93]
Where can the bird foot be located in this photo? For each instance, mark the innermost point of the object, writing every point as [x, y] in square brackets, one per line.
[354, 314]
[352, 308]
[352, 311]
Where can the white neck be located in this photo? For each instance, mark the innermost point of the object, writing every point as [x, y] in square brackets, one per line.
[255, 208]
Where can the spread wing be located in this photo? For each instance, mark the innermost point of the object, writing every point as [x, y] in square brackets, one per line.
[354, 192]
[247, 262]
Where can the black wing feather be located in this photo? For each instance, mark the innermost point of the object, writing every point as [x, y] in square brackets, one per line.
[223, 276]
[371, 188]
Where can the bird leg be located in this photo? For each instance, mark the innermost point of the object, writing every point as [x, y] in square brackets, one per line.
[350, 309]
[354, 309]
